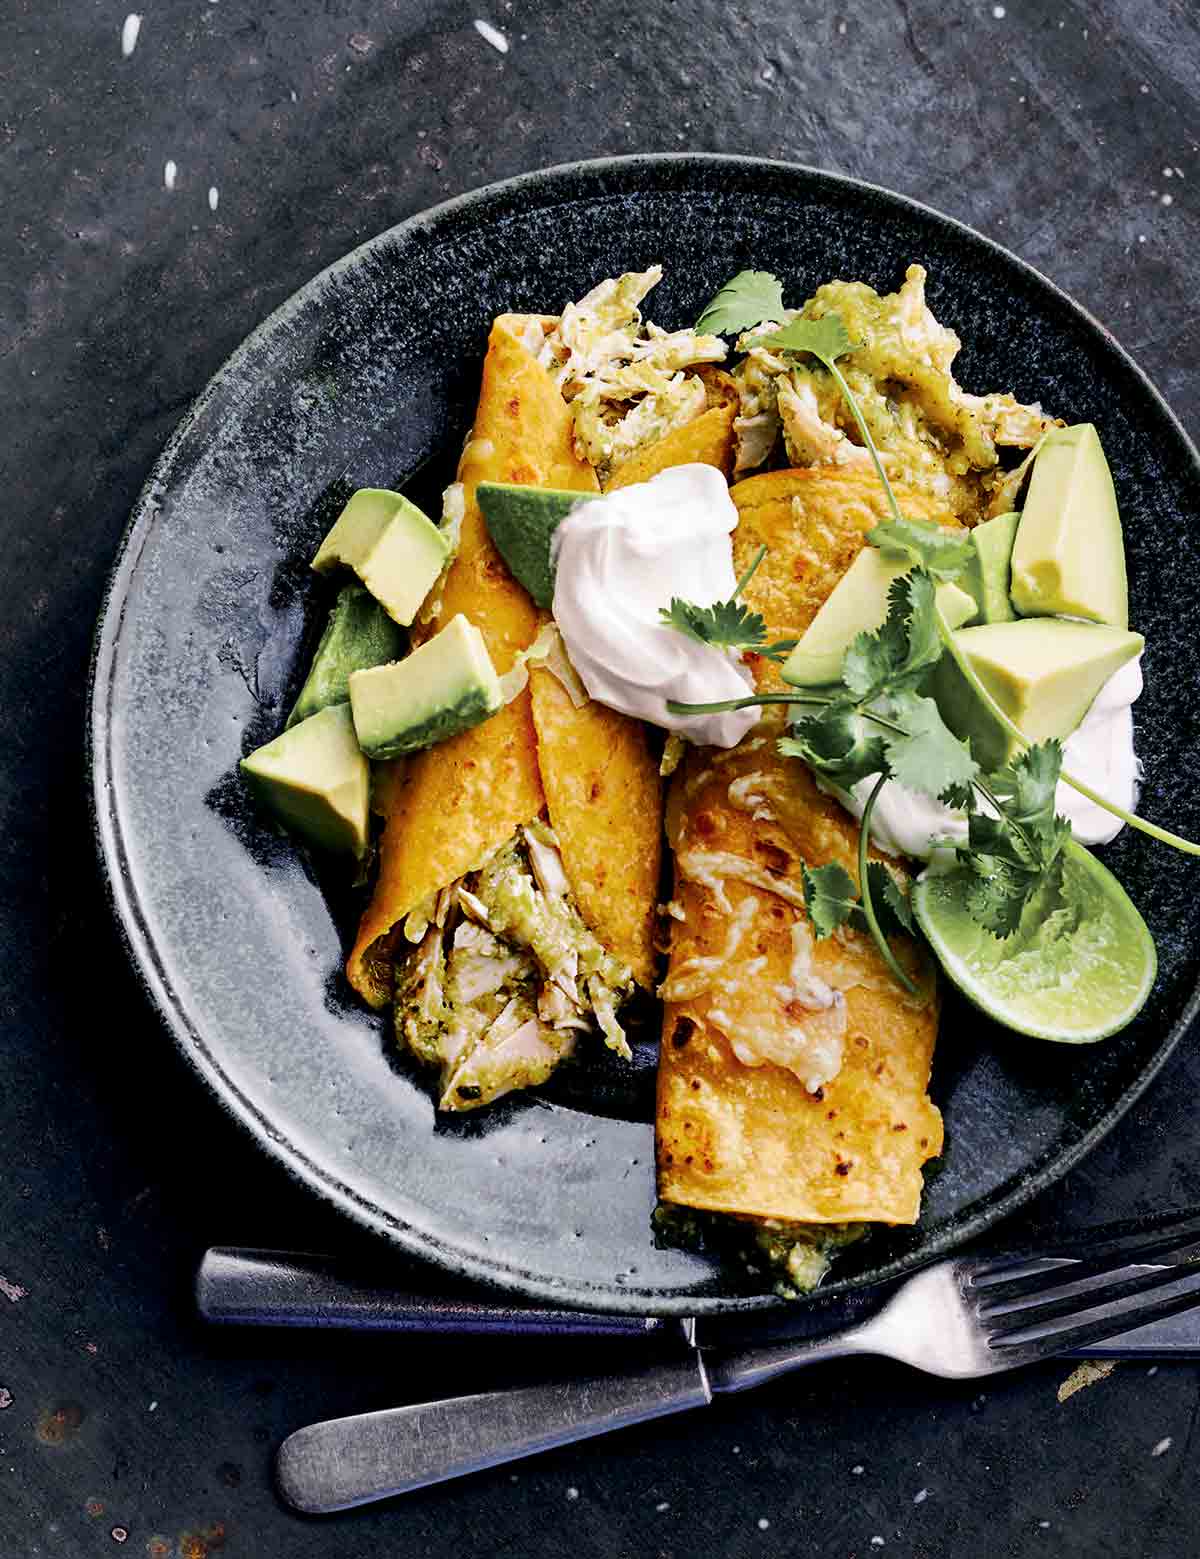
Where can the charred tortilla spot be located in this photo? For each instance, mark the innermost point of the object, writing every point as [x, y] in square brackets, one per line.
[775, 859]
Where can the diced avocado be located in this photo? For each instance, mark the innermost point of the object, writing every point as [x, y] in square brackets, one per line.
[1044, 673]
[859, 604]
[446, 686]
[359, 634]
[316, 781]
[522, 521]
[987, 575]
[391, 546]
[1069, 555]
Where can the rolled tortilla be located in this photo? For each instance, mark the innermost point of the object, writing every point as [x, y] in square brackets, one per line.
[793, 1077]
[460, 801]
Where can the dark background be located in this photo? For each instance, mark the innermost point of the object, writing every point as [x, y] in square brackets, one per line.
[123, 1425]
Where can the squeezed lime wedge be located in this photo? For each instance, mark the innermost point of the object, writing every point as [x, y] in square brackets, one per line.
[1077, 969]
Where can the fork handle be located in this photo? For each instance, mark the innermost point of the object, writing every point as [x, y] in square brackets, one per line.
[370, 1456]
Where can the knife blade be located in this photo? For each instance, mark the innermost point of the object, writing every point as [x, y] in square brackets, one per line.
[241, 1287]
[245, 1287]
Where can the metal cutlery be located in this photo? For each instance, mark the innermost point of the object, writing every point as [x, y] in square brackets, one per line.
[960, 1319]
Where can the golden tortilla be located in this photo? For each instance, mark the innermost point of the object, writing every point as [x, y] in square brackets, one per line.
[753, 1139]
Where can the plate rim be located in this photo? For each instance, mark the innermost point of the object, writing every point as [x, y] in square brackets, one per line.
[136, 933]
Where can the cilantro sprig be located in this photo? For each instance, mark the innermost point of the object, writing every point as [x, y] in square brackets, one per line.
[878, 722]
[727, 624]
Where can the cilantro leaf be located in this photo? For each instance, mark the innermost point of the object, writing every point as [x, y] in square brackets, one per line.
[896, 657]
[743, 302]
[831, 894]
[924, 648]
[943, 553]
[722, 623]
[925, 756]
[1014, 847]
[826, 338]
[892, 908]
[840, 744]
[1027, 787]
[997, 894]
[727, 624]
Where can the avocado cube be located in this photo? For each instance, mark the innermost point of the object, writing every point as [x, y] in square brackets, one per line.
[445, 687]
[987, 575]
[1044, 673]
[359, 633]
[316, 782]
[396, 552]
[1068, 558]
[859, 604]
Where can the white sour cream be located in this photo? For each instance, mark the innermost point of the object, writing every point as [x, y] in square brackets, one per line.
[1100, 752]
[619, 559]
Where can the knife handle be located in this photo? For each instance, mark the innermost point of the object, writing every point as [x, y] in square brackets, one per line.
[370, 1456]
[281, 1288]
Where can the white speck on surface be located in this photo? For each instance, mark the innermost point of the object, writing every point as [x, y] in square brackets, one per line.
[1153, 1370]
[920, 1496]
[737, 1450]
[1141, 238]
[491, 35]
[6, 1398]
[1162, 1447]
[663, 1505]
[13, 1292]
[214, 197]
[572, 1492]
[763, 1523]
[858, 1469]
[841, 29]
[169, 174]
[877, 1542]
[1168, 173]
[1178, 173]
[1167, 199]
[1144, 88]
[1045, 1525]
[130, 28]
[999, 12]
[153, 1408]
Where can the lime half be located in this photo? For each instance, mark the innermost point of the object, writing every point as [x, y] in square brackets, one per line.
[1078, 968]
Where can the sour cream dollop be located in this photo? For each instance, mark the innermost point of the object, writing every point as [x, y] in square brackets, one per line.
[1099, 752]
[618, 561]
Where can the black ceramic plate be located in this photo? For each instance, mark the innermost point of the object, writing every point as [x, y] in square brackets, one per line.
[368, 376]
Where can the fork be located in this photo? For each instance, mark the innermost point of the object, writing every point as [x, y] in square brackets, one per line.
[961, 1319]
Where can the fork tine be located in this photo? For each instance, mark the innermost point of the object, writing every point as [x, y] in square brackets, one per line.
[1097, 1325]
[1058, 1303]
[1171, 1238]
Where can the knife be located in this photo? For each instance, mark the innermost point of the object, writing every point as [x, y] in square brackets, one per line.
[242, 1287]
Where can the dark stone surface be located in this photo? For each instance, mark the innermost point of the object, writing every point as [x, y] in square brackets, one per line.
[320, 124]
